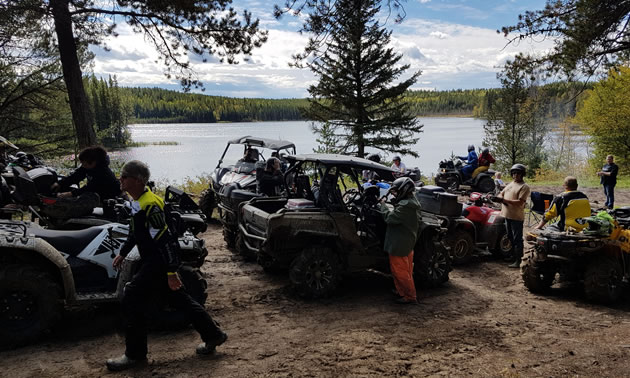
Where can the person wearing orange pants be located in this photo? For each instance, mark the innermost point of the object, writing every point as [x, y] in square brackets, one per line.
[400, 237]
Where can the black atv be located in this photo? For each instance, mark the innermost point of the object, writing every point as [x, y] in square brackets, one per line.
[232, 184]
[450, 177]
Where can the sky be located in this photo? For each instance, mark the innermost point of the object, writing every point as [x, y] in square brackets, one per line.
[453, 43]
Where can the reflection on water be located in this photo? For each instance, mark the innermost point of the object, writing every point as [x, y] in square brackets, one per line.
[200, 145]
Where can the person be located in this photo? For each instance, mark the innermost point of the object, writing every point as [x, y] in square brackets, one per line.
[499, 184]
[568, 206]
[485, 159]
[471, 162]
[271, 179]
[250, 156]
[157, 273]
[369, 175]
[513, 198]
[95, 168]
[400, 237]
[399, 166]
[608, 178]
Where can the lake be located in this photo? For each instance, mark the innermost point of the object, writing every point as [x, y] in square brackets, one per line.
[200, 145]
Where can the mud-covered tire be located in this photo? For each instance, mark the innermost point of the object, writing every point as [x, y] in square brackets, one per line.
[537, 277]
[452, 184]
[315, 272]
[30, 303]
[462, 246]
[167, 317]
[229, 237]
[207, 203]
[503, 247]
[603, 281]
[432, 262]
[486, 185]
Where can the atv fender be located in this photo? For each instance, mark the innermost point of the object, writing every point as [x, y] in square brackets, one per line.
[42, 248]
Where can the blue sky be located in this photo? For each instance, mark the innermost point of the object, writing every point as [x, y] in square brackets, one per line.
[453, 42]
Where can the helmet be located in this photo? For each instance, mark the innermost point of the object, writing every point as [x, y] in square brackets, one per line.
[396, 158]
[485, 150]
[403, 186]
[471, 147]
[597, 226]
[375, 158]
[518, 168]
[20, 155]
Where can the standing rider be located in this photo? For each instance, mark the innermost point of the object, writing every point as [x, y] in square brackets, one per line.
[513, 199]
[471, 162]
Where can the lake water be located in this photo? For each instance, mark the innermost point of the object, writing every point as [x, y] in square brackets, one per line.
[200, 145]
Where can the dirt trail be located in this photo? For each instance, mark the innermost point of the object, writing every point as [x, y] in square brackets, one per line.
[483, 322]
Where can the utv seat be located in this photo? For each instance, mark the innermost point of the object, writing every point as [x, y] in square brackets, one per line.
[330, 196]
[70, 242]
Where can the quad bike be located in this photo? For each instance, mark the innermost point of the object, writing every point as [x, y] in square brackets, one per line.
[450, 177]
[232, 184]
[42, 270]
[490, 231]
[599, 257]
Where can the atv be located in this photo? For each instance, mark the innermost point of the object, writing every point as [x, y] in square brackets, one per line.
[600, 260]
[232, 184]
[451, 178]
[318, 234]
[42, 270]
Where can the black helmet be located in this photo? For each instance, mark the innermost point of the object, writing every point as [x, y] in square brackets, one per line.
[403, 186]
[471, 147]
[518, 168]
[485, 150]
[375, 158]
[396, 158]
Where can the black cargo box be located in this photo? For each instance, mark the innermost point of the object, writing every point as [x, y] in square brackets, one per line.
[434, 199]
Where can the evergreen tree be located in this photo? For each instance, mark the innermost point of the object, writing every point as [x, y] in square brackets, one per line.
[515, 128]
[356, 97]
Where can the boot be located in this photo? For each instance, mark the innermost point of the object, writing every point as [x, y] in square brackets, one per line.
[123, 362]
[517, 262]
[210, 346]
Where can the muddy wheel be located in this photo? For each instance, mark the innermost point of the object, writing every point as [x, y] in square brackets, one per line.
[207, 203]
[503, 248]
[602, 281]
[486, 185]
[537, 277]
[462, 246]
[229, 237]
[431, 262]
[452, 184]
[316, 272]
[30, 303]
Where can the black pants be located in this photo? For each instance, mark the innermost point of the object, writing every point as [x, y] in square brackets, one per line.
[146, 285]
[609, 191]
[515, 234]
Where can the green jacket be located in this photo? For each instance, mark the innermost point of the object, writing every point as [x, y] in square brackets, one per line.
[402, 226]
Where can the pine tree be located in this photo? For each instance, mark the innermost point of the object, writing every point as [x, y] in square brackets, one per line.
[356, 98]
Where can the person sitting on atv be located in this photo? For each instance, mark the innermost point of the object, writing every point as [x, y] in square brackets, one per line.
[251, 156]
[95, 168]
[471, 162]
[398, 166]
[270, 181]
[485, 159]
[569, 206]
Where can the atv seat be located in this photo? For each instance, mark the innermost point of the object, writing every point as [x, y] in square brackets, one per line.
[70, 242]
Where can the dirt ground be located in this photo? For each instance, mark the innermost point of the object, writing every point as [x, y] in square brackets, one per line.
[483, 322]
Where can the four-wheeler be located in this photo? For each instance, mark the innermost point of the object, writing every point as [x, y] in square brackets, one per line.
[233, 183]
[42, 270]
[450, 177]
[597, 257]
[490, 231]
[318, 234]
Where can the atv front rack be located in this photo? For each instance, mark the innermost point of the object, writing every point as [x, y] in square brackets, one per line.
[13, 228]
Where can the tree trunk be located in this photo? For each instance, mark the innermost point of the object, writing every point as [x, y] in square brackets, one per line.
[72, 75]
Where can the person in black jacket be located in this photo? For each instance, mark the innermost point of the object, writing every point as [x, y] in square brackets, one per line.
[270, 182]
[157, 273]
[608, 178]
[95, 168]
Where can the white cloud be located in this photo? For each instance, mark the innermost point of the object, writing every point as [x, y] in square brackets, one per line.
[439, 35]
[424, 1]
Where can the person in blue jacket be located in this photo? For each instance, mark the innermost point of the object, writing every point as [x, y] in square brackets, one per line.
[472, 162]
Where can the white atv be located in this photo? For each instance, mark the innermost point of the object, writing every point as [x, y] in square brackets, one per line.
[42, 270]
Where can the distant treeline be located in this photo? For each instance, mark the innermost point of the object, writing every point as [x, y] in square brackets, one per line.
[156, 105]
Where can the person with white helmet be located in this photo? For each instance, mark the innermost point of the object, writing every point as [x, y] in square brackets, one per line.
[400, 237]
[513, 198]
